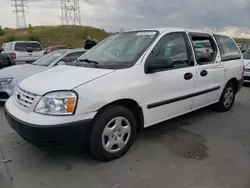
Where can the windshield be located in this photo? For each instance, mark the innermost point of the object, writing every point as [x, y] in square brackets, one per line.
[121, 50]
[246, 55]
[49, 58]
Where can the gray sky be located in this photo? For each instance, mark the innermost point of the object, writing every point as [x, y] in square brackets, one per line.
[115, 14]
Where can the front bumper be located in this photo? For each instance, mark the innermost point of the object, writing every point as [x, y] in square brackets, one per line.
[74, 134]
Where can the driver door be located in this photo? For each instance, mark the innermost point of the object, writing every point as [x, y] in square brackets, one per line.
[171, 91]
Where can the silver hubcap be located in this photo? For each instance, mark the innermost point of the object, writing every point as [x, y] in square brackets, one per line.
[228, 97]
[116, 134]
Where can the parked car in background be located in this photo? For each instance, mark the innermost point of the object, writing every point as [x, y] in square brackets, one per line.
[54, 48]
[11, 76]
[246, 56]
[22, 51]
[245, 47]
[130, 83]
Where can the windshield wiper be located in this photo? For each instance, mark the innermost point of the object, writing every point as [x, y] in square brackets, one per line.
[95, 63]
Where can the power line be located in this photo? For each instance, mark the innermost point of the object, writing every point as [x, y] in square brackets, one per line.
[70, 12]
[19, 9]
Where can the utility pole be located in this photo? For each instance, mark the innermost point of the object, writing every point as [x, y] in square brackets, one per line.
[70, 12]
[19, 9]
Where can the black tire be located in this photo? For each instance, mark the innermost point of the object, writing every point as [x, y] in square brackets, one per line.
[101, 120]
[220, 106]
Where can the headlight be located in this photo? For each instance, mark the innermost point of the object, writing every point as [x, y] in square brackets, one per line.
[4, 81]
[57, 103]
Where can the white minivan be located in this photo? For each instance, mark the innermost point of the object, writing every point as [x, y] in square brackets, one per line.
[127, 82]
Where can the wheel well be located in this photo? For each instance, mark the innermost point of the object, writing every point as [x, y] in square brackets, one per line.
[134, 108]
[234, 81]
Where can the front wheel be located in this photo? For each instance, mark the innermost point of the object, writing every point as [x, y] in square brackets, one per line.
[227, 98]
[113, 133]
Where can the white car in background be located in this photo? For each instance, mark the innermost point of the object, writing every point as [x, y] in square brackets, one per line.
[246, 56]
[22, 51]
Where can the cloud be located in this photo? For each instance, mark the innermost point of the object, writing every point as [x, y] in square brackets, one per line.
[127, 14]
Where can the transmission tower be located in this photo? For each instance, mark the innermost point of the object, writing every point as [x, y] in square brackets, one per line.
[70, 12]
[19, 9]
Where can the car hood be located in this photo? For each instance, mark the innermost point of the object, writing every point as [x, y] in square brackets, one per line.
[21, 71]
[61, 78]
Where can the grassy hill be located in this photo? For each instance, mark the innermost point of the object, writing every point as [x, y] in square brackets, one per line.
[54, 35]
[57, 35]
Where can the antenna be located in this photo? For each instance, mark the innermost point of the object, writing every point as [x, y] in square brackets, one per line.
[20, 6]
[70, 12]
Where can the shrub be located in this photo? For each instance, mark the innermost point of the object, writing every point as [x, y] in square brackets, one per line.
[33, 38]
[10, 38]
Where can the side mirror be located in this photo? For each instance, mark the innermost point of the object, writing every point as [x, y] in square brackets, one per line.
[160, 63]
[61, 63]
[29, 49]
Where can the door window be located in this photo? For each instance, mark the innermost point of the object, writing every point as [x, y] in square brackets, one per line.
[172, 46]
[228, 49]
[204, 48]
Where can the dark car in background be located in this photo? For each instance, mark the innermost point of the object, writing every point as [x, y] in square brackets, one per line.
[54, 48]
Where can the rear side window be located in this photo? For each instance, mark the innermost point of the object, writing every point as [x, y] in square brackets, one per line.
[204, 48]
[22, 46]
[228, 49]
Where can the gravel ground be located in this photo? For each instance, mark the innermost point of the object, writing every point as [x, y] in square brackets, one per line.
[204, 149]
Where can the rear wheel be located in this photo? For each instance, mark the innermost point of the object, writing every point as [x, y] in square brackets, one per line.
[113, 133]
[227, 98]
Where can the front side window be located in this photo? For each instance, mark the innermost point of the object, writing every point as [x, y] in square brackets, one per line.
[120, 50]
[228, 49]
[246, 55]
[172, 46]
[46, 60]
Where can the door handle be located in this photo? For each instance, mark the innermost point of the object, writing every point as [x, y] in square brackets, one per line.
[203, 73]
[188, 76]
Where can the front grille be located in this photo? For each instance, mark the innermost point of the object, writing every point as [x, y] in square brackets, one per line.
[4, 95]
[24, 98]
[247, 70]
[246, 77]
